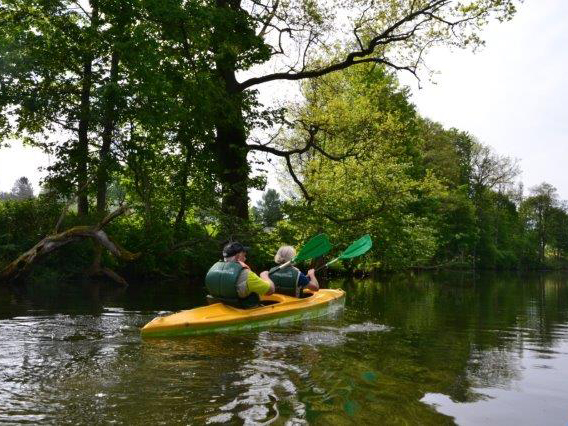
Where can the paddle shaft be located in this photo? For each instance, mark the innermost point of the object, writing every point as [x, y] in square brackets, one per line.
[357, 248]
[283, 265]
[327, 264]
[315, 247]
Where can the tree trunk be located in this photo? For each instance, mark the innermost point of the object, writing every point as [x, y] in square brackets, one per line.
[230, 141]
[104, 163]
[183, 180]
[108, 128]
[83, 143]
[541, 236]
[84, 121]
[234, 169]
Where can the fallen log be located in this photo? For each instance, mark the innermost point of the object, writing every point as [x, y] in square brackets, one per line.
[25, 262]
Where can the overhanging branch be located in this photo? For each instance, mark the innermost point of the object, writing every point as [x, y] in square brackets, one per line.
[27, 260]
[386, 37]
[287, 154]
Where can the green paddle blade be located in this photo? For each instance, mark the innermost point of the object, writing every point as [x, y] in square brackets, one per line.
[357, 248]
[316, 247]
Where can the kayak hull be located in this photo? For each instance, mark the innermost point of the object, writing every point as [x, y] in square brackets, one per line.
[220, 318]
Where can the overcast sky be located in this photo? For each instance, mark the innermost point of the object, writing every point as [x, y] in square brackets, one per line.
[510, 95]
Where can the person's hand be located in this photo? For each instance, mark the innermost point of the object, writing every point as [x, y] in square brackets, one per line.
[313, 285]
[264, 276]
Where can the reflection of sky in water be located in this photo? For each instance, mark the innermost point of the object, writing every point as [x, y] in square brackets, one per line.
[528, 388]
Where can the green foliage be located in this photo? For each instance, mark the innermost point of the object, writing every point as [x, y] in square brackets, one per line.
[428, 196]
[446, 152]
[268, 210]
[498, 233]
[24, 222]
[559, 231]
[362, 116]
[160, 258]
[155, 82]
[22, 189]
[544, 219]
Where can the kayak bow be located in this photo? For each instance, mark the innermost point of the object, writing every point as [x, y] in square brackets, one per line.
[216, 318]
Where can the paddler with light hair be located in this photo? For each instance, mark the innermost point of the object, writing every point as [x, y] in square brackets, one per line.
[231, 280]
[290, 280]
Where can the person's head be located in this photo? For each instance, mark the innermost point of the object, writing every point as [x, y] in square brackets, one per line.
[284, 254]
[235, 251]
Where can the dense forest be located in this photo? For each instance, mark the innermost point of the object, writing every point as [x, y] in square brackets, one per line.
[150, 111]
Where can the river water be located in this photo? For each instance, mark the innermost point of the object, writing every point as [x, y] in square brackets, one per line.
[442, 348]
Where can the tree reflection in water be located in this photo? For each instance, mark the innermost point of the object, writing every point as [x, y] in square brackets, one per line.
[428, 348]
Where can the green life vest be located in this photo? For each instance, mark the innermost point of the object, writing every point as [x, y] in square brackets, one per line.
[221, 283]
[221, 280]
[285, 280]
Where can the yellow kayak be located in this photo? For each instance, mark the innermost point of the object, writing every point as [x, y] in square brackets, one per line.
[277, 309]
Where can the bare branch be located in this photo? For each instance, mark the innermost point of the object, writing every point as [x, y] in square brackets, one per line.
[386, 37]
[27, 260]
[62, 216]
[111, 216]
[297, 181]
[269, 18]
[87, 14]
[310, 143]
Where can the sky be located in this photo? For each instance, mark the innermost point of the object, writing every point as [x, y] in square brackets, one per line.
[510, 95]
[18, 161]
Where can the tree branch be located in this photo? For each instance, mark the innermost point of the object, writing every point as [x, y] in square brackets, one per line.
[27, 260]
[384, 38]
[268, 19]
[297, 181]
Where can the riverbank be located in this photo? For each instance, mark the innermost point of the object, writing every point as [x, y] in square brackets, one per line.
[161, 251]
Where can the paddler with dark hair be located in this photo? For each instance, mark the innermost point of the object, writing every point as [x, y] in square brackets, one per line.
[231, 280]
[290, 280]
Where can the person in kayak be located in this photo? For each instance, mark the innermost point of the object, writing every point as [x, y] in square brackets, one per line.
[231, 280]
[290, 280]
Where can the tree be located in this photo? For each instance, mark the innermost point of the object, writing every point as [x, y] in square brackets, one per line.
[489, 176]
[100, 74]
[538, 211]
[49, 50]
[268, 210]
[22, 189]
[69, 60]
[362, 173]
[162, 98]
[440, 152]
[559, 230]
[292, 37]
[490, 170]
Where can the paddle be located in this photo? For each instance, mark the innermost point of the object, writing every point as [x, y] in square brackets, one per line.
[357, 248]
[315, 247]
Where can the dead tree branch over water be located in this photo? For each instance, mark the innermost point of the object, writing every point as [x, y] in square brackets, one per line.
[25, 262]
